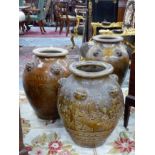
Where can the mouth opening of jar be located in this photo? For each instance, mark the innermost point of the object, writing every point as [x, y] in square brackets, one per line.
[91, 69]
[107, 39]
[50, 52]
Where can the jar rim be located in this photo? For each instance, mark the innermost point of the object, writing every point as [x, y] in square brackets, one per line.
[108, 39]
[50, 52]
[105, 69]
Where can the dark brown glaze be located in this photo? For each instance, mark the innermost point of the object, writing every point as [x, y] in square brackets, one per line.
[40, 81]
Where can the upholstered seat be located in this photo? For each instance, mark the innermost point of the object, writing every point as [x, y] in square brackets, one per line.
[34, 17]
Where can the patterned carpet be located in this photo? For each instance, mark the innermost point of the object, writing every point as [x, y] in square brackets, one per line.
[48, 138]
[50, 38]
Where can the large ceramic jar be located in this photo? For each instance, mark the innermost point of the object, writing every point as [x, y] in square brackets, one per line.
[40, 80]
[90, 102]
[109, 49]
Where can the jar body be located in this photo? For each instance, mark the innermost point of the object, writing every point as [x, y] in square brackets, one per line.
[114, 53]
[40, 82]
[90, 108]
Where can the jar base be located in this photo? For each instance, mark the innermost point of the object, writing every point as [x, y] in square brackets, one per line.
[48, 117]
[88, 139]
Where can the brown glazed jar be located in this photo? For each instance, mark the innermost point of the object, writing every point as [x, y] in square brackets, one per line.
[40, 80]
[90, 102]
[109, 49]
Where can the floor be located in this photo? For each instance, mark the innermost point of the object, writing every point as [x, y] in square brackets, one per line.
[48, 138]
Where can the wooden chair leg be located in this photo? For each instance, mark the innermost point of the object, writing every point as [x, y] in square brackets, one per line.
[56, 26]
[42, 23]
[39, 24]
[129, 102]
[72, 40]
[61, 26]
[126, 114]
[67, 28]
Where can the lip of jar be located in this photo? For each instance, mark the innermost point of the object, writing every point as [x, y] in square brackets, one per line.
[91, 69]
[50, 52]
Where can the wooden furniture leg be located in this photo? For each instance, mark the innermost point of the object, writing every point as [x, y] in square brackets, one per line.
[72, 40]
[61, 26]
[129, 101]
[56, 26]
[130, 98]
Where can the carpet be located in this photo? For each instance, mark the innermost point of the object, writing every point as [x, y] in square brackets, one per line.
[50, 32]
[50, 38]
[48, 138]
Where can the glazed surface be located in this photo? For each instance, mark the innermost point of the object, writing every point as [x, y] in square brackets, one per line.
[90, 108]
[40, 81]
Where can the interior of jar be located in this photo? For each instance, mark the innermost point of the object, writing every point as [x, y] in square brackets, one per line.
[91, 68]
[102, 37]
[50, 52]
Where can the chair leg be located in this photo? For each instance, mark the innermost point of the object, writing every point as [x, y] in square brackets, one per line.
[126, 114]
[67, 28]
[41, 26]
[42, 23]
[61, 26]
[56, 26]
[72, 40]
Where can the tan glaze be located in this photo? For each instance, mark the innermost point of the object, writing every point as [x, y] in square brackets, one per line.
[109, 49]
[90, 102]
[40, 80]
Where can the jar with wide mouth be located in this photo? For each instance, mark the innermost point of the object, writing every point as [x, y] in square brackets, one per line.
[40, 80]
[90, 102]
[110, 49]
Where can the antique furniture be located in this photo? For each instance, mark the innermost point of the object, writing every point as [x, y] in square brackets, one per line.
[36, 13]
[129, 16]
[104, 10]
[130, 98]
[90, 102]
[81, 11]
[40, 80]
[121, 10]
[62, 16]
[98, 25]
